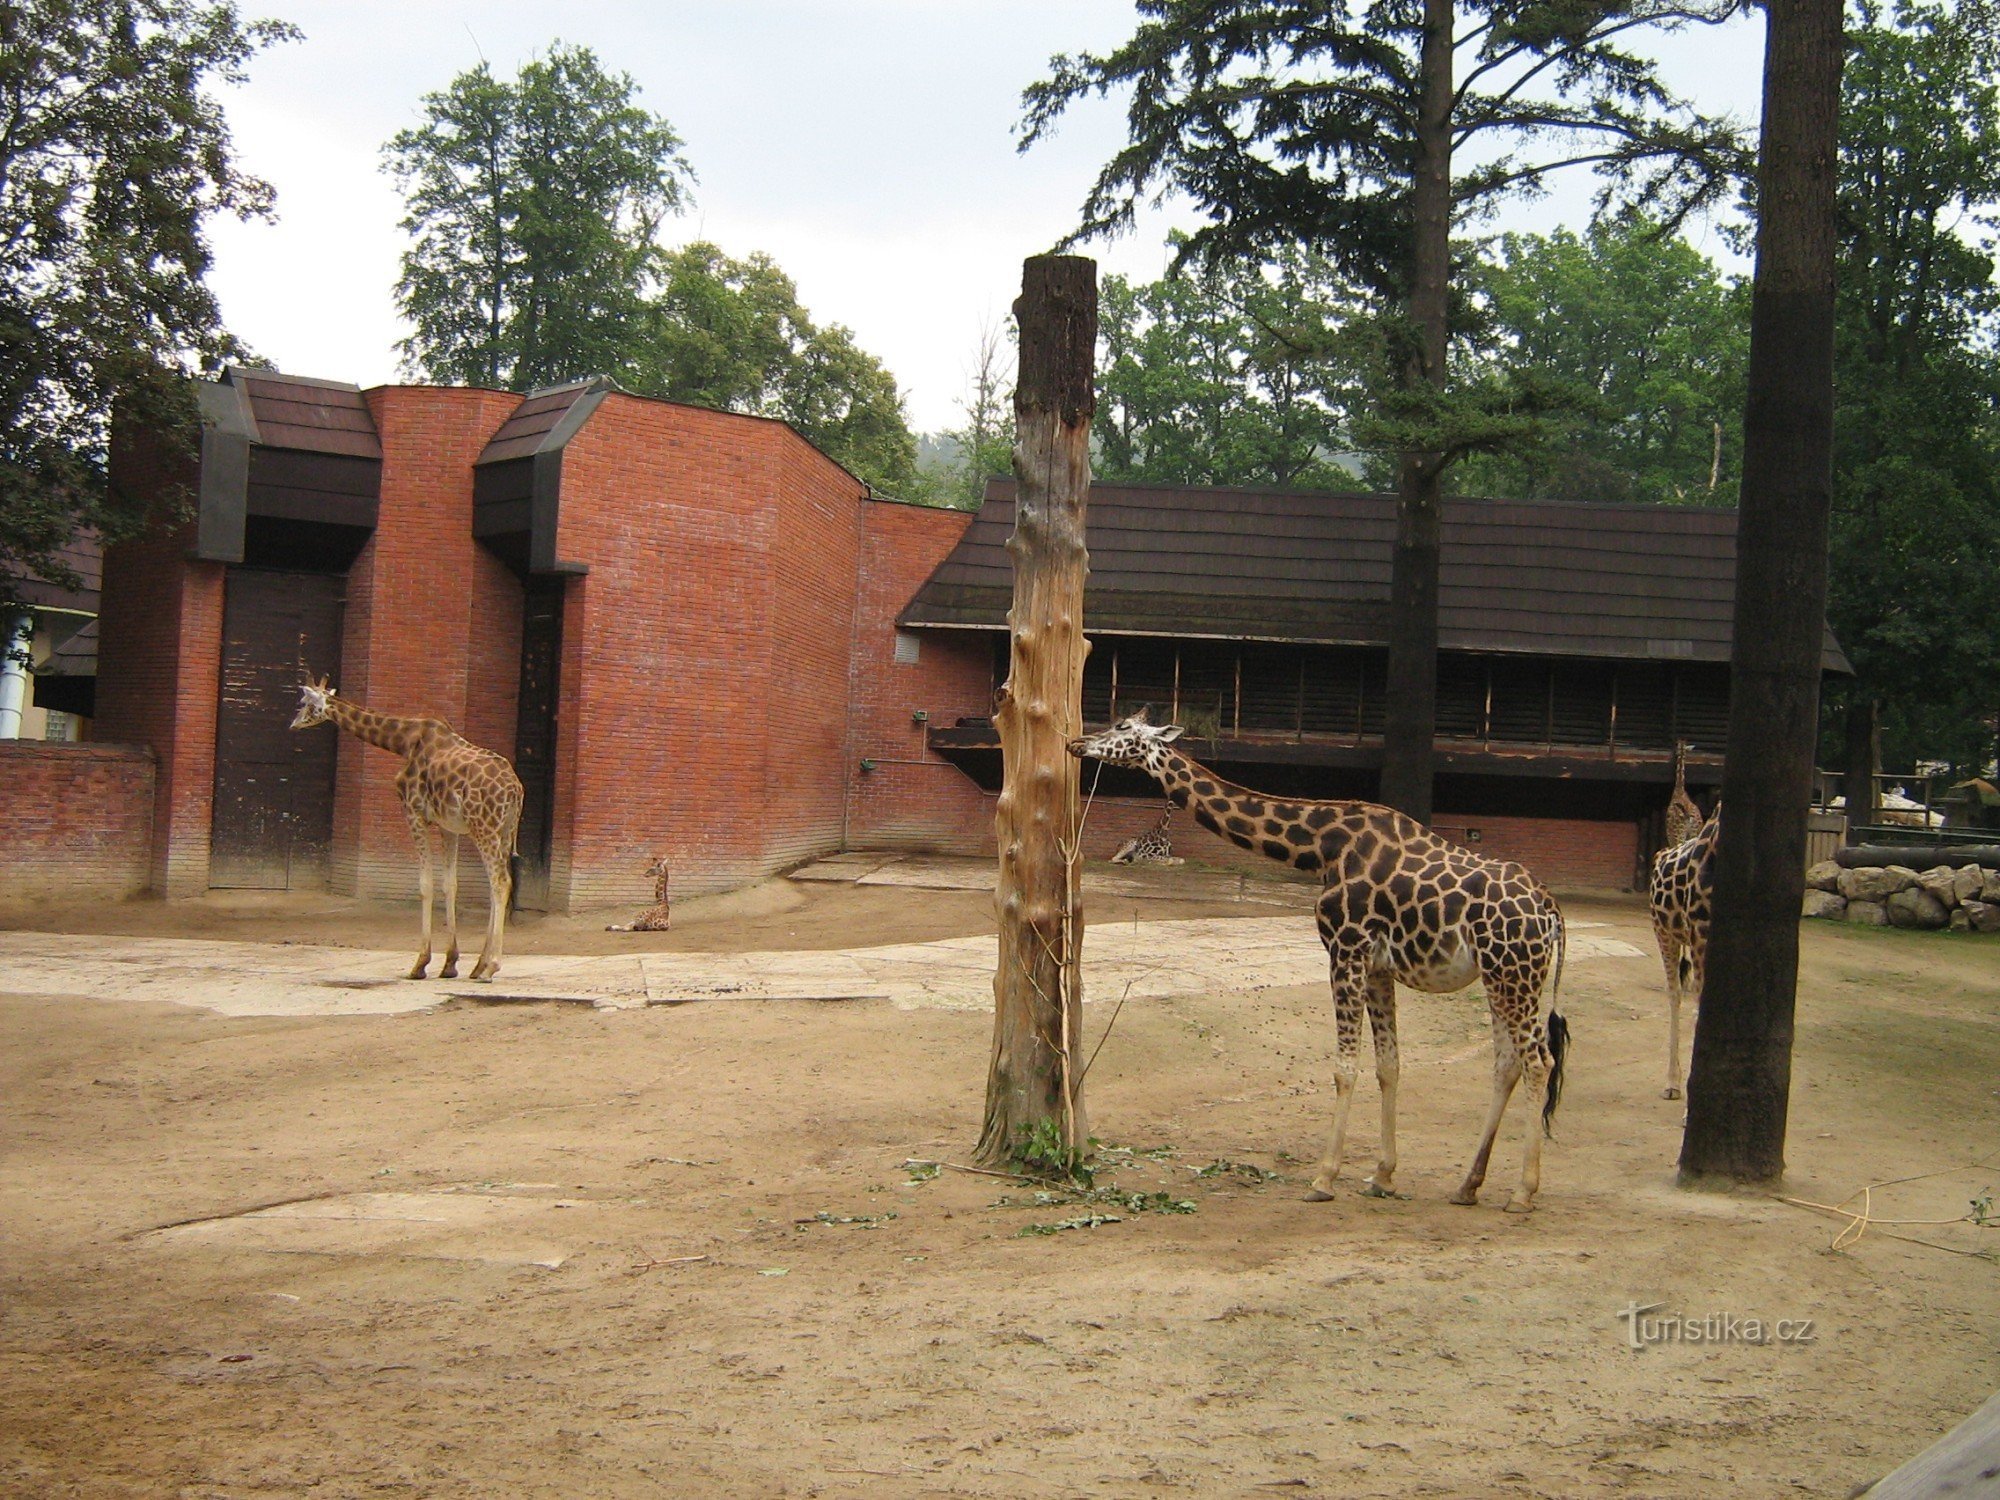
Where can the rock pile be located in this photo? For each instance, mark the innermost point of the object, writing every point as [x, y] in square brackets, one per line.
[1963, 899]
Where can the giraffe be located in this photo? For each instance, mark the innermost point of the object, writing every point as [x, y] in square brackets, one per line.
[1398, 903]
[655, 918]
[1683, 817]
[1153, 847]
[448, 783]
[1680, 895]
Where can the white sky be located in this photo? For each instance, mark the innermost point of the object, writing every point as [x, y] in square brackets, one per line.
[866, 145]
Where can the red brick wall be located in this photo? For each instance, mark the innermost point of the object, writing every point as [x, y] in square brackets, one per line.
[432, 625]
[159, 665]
[76, 820]
[1566, 854]
[912, 799]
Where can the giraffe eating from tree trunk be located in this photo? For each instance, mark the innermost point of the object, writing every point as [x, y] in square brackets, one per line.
[449, 783]
[1681, 899]
[1399, 903]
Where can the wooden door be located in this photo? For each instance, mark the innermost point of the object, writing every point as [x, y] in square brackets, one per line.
[535, 736]
[272, 825]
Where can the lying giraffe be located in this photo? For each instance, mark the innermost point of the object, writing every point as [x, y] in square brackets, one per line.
[1399, 903]
[1153, 847]
[449, 784]
[1681, 897]
[657, 917]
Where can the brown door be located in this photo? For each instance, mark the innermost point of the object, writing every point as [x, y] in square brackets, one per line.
[272, 827]
[535, 736]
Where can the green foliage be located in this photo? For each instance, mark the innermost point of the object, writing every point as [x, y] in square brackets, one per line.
[1915, 596]
[1291, 125]
[533, 206]
[113, 157]
[1225, 373]
[1040, 1151]
[732, 334]
[1644, 346]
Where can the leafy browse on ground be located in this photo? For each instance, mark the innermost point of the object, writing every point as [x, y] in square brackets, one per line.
[866, 1221]
[1081, 1221]
[1240, 1171]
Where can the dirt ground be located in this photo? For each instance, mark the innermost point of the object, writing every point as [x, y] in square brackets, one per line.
[556, 1250]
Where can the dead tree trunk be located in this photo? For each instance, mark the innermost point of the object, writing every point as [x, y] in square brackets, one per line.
[1037, 988]
[1740, 1079]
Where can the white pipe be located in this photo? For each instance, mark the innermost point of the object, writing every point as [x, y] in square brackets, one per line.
[15, 642]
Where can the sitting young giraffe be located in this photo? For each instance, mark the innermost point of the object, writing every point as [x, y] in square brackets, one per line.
[1681, 897]
[1399, 903]
[1153, 847]
[657, 917]
[448, 783]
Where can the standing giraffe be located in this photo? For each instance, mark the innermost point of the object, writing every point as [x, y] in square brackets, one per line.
[1683, 817]
[1399, 903]
[450, 784]
[1680, 895]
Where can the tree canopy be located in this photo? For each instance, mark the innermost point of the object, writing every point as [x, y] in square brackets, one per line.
[1916, 522]
[114, 156]
[533, 206]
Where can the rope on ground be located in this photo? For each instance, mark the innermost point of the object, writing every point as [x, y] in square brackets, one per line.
[1861, 1220]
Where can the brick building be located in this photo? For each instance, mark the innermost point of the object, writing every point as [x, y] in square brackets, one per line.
[677, 623]
[696, 635]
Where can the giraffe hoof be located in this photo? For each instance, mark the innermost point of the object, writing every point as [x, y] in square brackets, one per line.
[449, 971]
[1466, 1198]
[1317, 1195]
[1520, 1205]
[418, 971]
[1671, 1091]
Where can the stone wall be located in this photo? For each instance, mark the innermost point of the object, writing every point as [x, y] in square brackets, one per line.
[1965, 898]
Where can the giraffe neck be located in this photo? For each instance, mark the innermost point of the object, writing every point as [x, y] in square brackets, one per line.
[386, 730]
[1246, 818]
[1680, 770]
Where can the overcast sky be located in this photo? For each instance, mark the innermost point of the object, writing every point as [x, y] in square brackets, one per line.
[867, 146]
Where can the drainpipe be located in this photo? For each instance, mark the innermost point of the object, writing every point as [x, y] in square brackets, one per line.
[17, 636]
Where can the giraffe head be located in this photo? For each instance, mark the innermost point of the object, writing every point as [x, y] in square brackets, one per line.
[1129, 742]
[657, 869]
[313, 698]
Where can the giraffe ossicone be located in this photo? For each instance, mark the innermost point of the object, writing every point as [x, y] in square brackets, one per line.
[447, 783]
[1398, 903]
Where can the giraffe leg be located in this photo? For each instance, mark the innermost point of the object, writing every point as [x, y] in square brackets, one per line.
[500, 889]
[422, 835]
[1670, 960]
[1388, 1070]
[1506, 1073]
[1347, 988]
[450, 969]
[1533, 1060]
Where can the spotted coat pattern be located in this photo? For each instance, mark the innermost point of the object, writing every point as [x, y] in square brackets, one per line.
[1398, 904]
[657, 917]
[1681, 896]
[1153, 847]
[450, 784]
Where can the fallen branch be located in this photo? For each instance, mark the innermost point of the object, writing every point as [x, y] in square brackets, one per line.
[674, 1260]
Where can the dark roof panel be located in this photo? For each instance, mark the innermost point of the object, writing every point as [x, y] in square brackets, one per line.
[1546, 578]
[534, 423]
[309, 416]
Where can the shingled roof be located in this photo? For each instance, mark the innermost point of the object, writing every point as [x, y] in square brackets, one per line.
[1535, 577]
[306, 415]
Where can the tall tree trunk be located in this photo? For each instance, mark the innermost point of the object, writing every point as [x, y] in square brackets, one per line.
[1857, 780]
[1740, 1080]
[1037, 988]
[1410, 708]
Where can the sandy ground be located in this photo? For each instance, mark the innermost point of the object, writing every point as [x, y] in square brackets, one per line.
[615, 1249]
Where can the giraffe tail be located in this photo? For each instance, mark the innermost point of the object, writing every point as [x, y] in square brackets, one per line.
[1558, 1027]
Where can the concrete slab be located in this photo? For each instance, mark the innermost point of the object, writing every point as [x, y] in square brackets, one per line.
[497, 1228]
